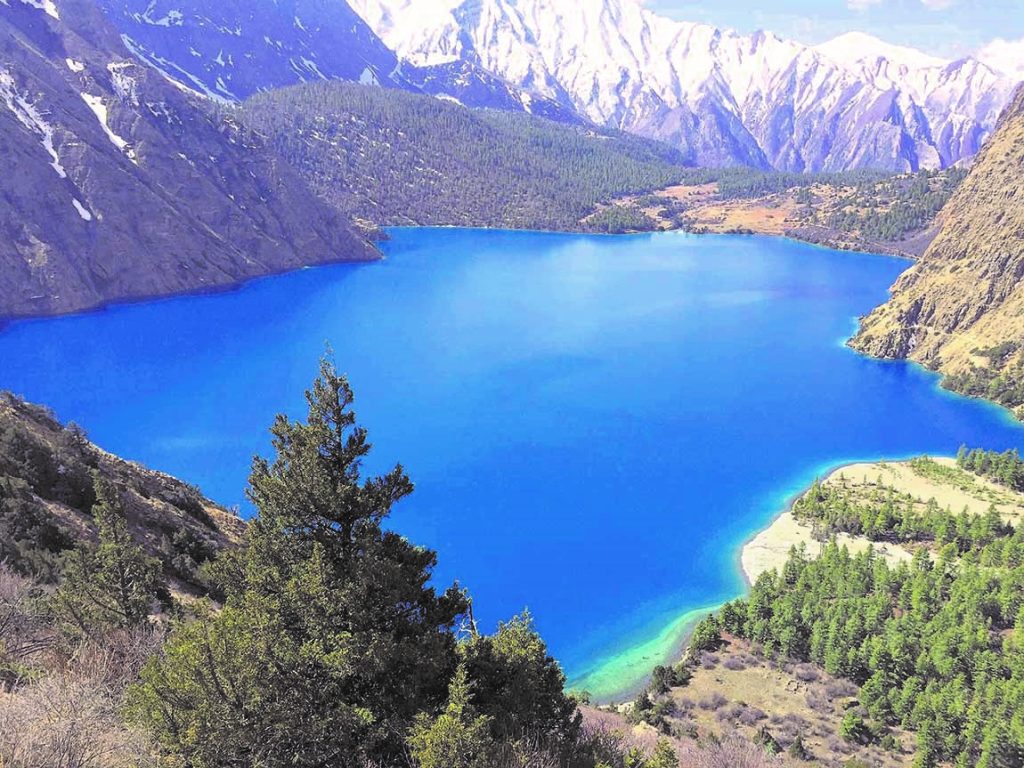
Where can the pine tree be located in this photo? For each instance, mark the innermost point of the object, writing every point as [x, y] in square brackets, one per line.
[110, 585]
[458, 737]
[331, 640]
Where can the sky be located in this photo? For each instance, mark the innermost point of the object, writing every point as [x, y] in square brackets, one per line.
[948, 28]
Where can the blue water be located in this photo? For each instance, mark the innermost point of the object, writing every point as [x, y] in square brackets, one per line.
[594, 425]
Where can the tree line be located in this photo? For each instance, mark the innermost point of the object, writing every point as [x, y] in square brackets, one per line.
[393, 158]
[934, 644]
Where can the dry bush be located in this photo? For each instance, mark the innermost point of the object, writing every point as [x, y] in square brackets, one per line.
[65, 722]
[708, 660]
[751, 716]
[734, 663]
[806, 673]
[712, 701]
[70, 717]
[818, 701]
[24, 633]
[733, 753]
[840, 689]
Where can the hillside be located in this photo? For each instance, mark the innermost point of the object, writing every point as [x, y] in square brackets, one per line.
[48, 473]
[330, 642]
[118, 185]
[398, 158]
[233, 49]
[887, 633]
[853, 210]
[960, 310]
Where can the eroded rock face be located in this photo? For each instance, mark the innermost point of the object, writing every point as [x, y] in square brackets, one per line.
[961, 308]
[118, 185]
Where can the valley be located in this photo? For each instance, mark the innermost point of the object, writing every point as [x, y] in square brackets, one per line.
[590, 271]
[874, 213]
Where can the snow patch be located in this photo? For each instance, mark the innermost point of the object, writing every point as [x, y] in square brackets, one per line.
[84, 212]
[46, 6]
[75, 66]
[30, 117]
[100, 110]
[125, 86]
[174, 74]
[173, 18]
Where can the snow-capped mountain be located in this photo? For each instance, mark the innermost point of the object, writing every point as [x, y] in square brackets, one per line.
[230, 49]
[721, 96]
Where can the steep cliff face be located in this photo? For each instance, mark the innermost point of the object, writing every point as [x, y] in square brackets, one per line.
[118, 185]
[960, 310]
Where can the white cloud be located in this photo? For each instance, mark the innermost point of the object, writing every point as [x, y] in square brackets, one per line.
[862, 5]
[1006, 56]
[931, 5]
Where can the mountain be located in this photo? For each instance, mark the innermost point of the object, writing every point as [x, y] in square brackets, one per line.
[118, 185]
[400, 158]
[232, 49]
[721, 97]
[960, 310]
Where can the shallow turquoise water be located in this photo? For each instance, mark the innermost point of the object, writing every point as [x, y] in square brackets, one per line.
[594, 424]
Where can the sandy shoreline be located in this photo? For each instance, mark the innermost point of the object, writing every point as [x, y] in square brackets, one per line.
[769, 548]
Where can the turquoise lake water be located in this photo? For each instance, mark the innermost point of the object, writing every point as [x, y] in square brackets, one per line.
[594, 424]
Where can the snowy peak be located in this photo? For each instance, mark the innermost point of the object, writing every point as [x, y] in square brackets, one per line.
[720, 96]
[854, 48]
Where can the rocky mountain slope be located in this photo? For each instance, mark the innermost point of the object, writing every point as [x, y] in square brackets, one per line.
[960, 310]
[233, 49]
[118, 185]
[48, 473]
[722, 97]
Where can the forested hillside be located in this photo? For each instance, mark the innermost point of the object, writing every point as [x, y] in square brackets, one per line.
[914, 660]
[398, 158]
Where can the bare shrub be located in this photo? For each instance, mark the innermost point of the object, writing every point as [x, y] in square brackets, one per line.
[685, 704]
[806, 673]
[787, 727]
[66, 722]
[732, 753]
[839, 747]
[708, 660]
[840, 689]
[70, 718]
[23, 630]
[734, 663]
[712, 702]
[751, 716]
[818, 700]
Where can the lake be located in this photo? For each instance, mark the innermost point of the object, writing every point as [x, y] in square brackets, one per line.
[594, 424]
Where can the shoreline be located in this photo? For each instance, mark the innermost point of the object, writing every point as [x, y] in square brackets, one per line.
[743, 555]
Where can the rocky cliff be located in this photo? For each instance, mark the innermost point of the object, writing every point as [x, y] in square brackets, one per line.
[118, 185]
[960, 310]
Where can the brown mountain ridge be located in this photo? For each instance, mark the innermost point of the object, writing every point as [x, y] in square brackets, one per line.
[960, 309]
